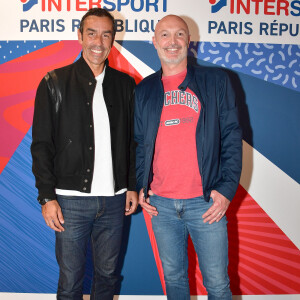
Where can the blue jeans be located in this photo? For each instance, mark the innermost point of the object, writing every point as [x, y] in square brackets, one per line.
[101, 220]
[176, 219]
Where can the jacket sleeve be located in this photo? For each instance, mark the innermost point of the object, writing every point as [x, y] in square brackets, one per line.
[231, 140]
[139, 138]
[42, 147]
[132, 176]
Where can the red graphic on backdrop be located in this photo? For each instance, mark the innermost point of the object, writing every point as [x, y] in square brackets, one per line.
[19, 80]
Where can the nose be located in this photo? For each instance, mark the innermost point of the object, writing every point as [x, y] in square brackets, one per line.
[99, 40]
[173, 39]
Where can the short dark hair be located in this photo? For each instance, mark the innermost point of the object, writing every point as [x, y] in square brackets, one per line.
[98, 12]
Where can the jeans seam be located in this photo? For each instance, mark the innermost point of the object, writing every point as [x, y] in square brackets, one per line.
[185, 248]
[101, 211]
[93, 254]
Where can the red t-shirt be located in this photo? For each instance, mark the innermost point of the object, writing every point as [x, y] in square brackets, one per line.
[175, 162]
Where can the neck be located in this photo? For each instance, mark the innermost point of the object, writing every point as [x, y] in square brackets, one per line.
[97, 71]
[173, 69]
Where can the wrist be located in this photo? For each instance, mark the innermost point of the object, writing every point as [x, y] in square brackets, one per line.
[43, 201]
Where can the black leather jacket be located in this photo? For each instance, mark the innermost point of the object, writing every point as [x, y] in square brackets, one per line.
[63, 129]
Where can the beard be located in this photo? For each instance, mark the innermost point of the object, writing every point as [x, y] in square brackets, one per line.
[172, 60]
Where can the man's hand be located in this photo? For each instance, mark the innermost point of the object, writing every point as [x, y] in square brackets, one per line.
[53, 216]
[131, 202]
[216, 212]
[144, 203]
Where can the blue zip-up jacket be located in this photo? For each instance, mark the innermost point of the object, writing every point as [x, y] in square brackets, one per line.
[218, 134]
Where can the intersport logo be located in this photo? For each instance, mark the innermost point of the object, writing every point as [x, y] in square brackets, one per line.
[28, 4]
[258, 7]
[84, 5]
[217, 5]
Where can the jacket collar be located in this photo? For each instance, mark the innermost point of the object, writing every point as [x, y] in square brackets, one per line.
[108, 79]
[189, 76]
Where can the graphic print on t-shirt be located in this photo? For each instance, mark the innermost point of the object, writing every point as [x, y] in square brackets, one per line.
[177, 97]
[175, 163]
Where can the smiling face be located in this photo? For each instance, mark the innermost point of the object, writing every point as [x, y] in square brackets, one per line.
[96, 40]
[171, 41]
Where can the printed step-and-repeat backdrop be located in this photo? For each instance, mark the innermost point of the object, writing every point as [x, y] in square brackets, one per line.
[258, 43]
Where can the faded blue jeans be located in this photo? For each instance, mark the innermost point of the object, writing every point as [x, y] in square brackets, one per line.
[176, 219]
[101, 220]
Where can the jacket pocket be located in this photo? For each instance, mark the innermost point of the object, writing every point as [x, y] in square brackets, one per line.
[64, 147]
[63, 158]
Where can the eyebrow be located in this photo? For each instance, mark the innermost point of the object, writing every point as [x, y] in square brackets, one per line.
[182, 29]
[168, 30]
[94, 30]
[91, 29]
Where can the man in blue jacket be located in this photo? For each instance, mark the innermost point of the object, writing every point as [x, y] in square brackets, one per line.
[188, 161]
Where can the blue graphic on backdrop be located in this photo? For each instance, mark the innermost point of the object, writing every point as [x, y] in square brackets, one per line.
[10, 50]
[27, 4]
[217, 6]
[29, 261]
[279, 64]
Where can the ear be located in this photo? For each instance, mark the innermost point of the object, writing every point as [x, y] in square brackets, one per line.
[154, 42]
[79, 35]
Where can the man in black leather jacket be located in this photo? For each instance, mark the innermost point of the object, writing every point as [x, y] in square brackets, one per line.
[84, 158]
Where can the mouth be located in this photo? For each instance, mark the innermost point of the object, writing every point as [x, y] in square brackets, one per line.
[96, 51]
[172, 50]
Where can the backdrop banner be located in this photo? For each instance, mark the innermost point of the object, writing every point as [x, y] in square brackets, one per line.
[257, 42]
